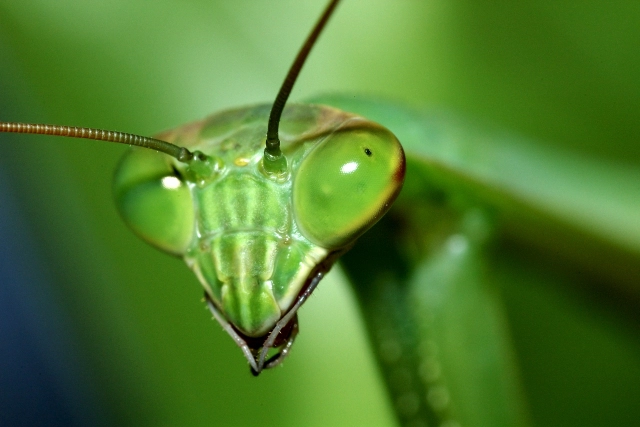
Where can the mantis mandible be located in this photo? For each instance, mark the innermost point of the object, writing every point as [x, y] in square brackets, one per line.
[455, 243]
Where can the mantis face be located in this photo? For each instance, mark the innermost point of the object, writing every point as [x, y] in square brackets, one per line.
[259, 243]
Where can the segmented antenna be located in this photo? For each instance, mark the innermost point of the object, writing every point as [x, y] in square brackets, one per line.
[274, 160]
[180, 153]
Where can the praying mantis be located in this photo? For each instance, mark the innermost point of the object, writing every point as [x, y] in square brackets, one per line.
[146, 297]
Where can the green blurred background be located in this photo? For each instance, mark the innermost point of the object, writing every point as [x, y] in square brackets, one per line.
[101, 328]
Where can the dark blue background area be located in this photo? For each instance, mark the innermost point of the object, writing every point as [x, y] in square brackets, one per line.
[41, 375]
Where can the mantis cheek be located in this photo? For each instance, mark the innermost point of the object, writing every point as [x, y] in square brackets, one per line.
[347, 183]
[154, 201]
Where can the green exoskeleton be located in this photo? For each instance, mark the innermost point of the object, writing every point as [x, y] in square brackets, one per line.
[259, 224]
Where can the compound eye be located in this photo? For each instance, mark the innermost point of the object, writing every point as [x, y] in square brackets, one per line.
[347, 182]
[154, 201]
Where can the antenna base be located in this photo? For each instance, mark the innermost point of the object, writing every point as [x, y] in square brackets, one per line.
[275, 165]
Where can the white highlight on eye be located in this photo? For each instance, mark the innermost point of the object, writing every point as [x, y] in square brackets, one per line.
[349, 167]
[171, 182]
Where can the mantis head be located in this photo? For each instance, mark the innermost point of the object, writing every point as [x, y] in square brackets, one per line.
[259, 220]
[260, 242]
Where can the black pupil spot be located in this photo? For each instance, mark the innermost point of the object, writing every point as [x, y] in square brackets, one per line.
[367, 152]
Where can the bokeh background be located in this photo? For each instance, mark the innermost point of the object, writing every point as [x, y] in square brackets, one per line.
[98, 328]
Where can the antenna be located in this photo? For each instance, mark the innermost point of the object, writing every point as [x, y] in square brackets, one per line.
[180, 153]
[274, 161]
